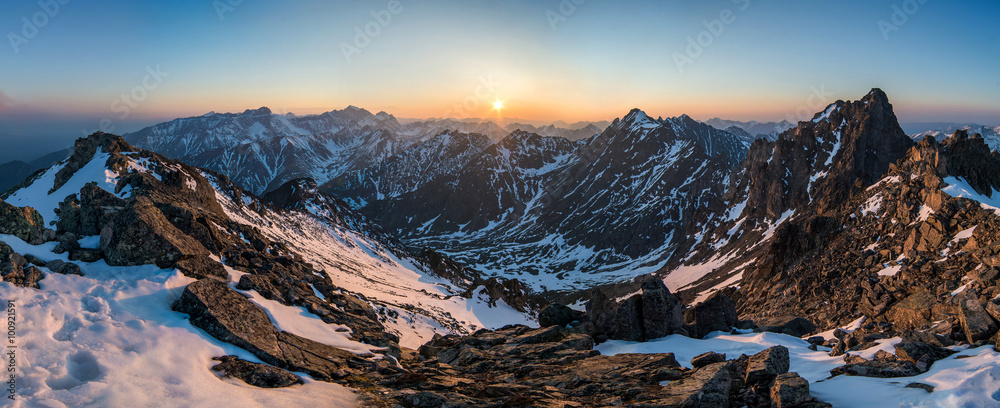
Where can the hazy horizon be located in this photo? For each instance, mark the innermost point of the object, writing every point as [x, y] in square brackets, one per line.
[71, 65]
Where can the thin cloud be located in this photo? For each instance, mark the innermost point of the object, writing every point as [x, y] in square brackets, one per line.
[6, 102]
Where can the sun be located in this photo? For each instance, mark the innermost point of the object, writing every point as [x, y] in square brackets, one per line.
[498, 105]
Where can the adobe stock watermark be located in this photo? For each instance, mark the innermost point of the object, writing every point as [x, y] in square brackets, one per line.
[817, 100]
[900, 15]
[223, 7]
[127, 102]
[485, 91]
[364, 35]
[39, 20]
[561, 14]
[714, 29]
[10, 351]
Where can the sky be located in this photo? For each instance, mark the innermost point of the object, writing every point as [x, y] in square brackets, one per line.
[69, 67]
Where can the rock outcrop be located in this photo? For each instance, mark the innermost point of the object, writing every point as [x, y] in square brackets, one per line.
[976, 322]
[22, 222]
[555, 367]
[255, 374]
[650, 314]
[228, 316]
[14, 268]
[717, 313]
[141, 235]
[558, 315]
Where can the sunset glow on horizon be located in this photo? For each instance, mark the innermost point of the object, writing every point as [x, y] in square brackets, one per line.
[557, 60]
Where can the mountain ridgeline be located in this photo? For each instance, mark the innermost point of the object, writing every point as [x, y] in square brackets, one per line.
[420, 253]
[262, 150]
[700, 207]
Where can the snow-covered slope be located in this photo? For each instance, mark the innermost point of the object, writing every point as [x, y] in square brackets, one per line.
[346, 250]
[414, 303]
[109, 338]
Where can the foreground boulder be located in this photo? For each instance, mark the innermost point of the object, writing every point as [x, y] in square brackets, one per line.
[62, 267]
[255, 374]
[558, 315]
[230, 317]
[918, 353]
[661, 311]
[790, 325]
[520, 366]
[913, 312]
[14, 269]
[911, 358]
[628, 320]
[650, 314]
[709, 386]
[707, 358]
[717, 313]
[976, 322]
[764, 367]
[789, 391]
[22, 222]
[88, 214]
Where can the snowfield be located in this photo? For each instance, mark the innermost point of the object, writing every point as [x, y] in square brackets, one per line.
[110, 339]
[423, 304]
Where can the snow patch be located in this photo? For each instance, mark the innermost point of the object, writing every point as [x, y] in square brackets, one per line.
[109, 338]
[958, 187]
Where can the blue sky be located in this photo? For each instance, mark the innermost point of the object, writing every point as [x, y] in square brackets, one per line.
[592, 61]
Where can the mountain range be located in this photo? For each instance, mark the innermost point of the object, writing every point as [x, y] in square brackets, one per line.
[444, 262]
[261, 150]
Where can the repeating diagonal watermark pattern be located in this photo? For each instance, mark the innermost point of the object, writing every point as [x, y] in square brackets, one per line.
[223, 7]
[125, 104]
[365, 34]
[900, 15]
[562, 13]
[32, 25]
[714, 29]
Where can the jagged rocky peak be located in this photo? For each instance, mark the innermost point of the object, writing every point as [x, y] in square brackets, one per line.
[848, 146]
